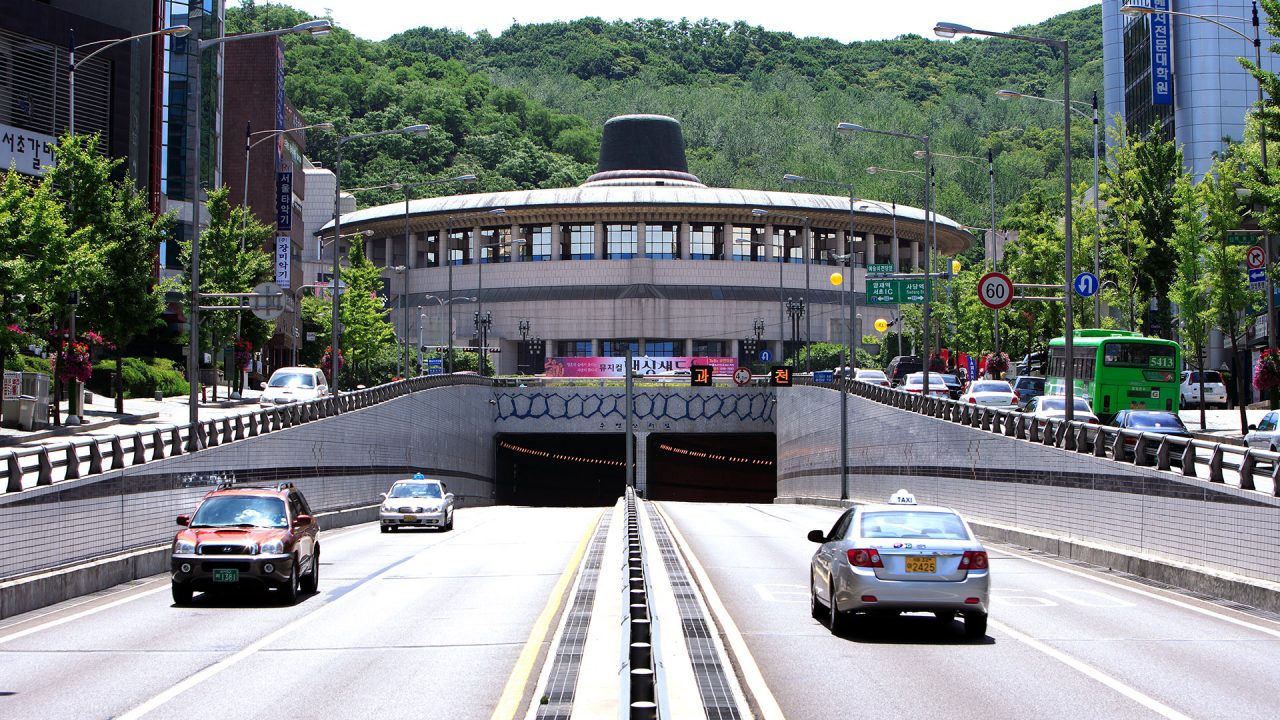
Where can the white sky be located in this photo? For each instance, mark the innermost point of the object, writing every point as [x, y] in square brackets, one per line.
[844, 20]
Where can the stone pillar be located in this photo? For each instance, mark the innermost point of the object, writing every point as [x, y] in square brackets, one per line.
[895, 255]
[915, 254]
[389, 246]
[727, 253]
[598, 251]
[368, 249]
[411, 250]
[595, 347]
[474, 241]
[842, 242]
[642, 462]
[641, 229]
[556, 235]
[517, 249]
[768, 241]
[683, 240]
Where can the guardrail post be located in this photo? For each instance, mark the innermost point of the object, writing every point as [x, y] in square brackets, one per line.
[1140, 450]
[1215, 465]
[1100, 443]
[1117, 447]
[1275, 478]
[157, 445]
[95, 458]
[1247, 464]
[1033, 431]
[1162, 454]
[1189, 459]
[227, 435]
[175, 441]
[253, 424]
[15, 474]
[211, 439]
[275, 419]
[139, 450]
[1065, 438]
[73, 462]
[46, 467]
[193, 437]
[1049, 434]
[1082, 438]
[239, 427]
[117, 453]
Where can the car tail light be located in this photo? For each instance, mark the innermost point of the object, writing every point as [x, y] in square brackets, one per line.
[914, 390]
[869, 598]
[974, 560]
[1016, 399]
[972, 601]
[865, 557]
[1092, 421]
[972, 401]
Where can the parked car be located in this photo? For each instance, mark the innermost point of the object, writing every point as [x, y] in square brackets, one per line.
[875, 377]
[990, 393]
[1215, 391]
[898, 557]
[902, 366]
[1266, 434]
[954, 386]
[1054, 407]
[1160, 422]
[1032, 364]
[247, 535]
[294, 384]
[416, 502]
[937, 387]
[1027, 387]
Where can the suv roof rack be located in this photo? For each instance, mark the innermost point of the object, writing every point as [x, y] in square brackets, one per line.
[285, 485]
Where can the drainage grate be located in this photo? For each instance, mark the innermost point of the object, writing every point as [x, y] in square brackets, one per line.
[556, 700]
[713, 684]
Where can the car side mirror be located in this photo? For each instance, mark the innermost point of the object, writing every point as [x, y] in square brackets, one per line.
[262, 386]
[384, 495]
[1253, 427]
[817, 536]
[184, 520]
[303, 520]
[448, 496]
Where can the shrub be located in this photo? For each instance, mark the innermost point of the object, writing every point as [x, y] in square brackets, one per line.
[27, 363]
[141, 377]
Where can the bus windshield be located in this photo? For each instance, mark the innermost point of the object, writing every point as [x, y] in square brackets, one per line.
[1138, 355]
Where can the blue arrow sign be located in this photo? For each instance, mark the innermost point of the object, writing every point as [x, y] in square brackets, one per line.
[765, 356]
[1257, 275]
[1086, 284]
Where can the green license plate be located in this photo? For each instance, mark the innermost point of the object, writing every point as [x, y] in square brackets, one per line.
[226, 575]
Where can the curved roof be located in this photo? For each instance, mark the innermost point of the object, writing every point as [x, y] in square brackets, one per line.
[952, 237]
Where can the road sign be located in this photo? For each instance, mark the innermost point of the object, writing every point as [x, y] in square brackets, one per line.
[435, 366]
[765, 356]
[780, 376]
[895, 291]
[742, 376]
[880, 268]
[881, 325]
[824, 376]
[267, 301]
[701, 375]
[1257, 278]
[1256, 257]
[995, 290]
[1242, 237]
[1086, 284]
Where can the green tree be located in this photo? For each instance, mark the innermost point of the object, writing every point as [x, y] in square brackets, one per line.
[1187, 291]
[366, 330]
[33, 241]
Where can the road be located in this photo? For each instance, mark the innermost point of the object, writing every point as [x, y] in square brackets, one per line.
[1063, 642]
[410, 624]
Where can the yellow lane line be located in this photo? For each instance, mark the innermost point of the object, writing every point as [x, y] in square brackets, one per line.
[509, 702]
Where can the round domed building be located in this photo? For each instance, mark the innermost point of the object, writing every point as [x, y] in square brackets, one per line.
[642, 256]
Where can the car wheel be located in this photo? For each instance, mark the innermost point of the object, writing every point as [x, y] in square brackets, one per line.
[975, 625]
[311, 581]
[837, 621]
[448, 525]
[945, 616]
[181, 593]
[385, 528]
[816, 608]
[292, 588]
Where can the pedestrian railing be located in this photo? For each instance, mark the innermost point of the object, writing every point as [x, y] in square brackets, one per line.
[1222, 463]
[28, 467]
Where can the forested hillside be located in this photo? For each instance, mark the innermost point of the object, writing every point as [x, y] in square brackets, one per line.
[524, 109]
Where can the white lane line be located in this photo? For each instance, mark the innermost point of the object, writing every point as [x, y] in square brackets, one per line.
[1146, 593]
[1128, 691]
[81, 614]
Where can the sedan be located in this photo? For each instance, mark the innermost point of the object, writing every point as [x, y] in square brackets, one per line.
[991, 393]
[875, 377]
[1054, 407]
[896, 557]
[937, 386]
[1157, 422]
[417, 502]
[1266, 434]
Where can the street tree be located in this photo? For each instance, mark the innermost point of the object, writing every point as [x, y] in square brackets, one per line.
[33, 240]
[366, 328]
[1126, 246]
[1187, 245]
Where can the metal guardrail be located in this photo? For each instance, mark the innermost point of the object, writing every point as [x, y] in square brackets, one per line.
[25, 468]
[1221, 463]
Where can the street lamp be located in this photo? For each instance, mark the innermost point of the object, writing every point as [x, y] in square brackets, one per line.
[1097, 218]
[444, 247]
[782, 304]
[844, 391]
[950, 30]
[312, 27]
[73, 64]
[421, 317]
[337, 228]
[1256, 40]
[404, 313]
[928, 255]
[250, 143]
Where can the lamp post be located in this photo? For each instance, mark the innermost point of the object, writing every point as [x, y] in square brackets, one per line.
[783, 304]
[442, 302]
[1097, 224]
[844, 391]
[950, 30]
[404, 314]
[928, 256]
[312, 27]
[337, 230]
[444, 244]
[1256, 40]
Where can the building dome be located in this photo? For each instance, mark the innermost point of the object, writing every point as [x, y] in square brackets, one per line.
[642, 150]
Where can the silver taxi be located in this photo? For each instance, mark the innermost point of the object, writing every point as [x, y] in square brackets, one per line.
[416, 502]
[898, 557]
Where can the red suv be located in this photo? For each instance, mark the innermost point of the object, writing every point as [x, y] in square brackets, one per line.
[245, 535]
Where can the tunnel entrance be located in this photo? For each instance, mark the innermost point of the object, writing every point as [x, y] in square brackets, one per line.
[738, 467]
[589, 469]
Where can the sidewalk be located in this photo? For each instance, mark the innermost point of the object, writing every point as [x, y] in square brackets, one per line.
[100, 416]
[1222, 423]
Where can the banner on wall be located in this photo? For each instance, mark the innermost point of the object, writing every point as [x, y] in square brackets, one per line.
[283, 247]
[1161, 54]
[608, 367]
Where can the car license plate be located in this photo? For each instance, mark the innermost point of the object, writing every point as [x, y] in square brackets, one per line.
[410, 518]
[226, 575]
[922, 564]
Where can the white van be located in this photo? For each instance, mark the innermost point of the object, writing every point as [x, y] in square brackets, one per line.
[294, 384]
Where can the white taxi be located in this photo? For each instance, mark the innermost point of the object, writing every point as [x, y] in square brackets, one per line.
[896, 557]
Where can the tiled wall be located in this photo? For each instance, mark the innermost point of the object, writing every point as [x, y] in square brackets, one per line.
[1004, 481]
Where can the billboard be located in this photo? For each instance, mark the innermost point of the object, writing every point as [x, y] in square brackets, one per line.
[1161, 54]
[609, 367]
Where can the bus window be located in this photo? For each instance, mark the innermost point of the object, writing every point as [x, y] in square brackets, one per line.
[1138, 355]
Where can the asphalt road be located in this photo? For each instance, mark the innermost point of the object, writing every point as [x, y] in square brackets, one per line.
[410, 624]
[1064, 641]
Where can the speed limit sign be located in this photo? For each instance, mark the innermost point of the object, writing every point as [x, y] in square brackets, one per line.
[995, 290]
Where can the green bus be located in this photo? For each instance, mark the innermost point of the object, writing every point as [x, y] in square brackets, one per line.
[1117, 370]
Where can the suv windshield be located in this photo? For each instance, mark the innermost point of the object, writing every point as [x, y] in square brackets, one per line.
[304, 380]
[908, 524]
[415, 490]
[241, 511]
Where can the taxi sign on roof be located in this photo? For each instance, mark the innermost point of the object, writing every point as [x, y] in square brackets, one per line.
[902, 497]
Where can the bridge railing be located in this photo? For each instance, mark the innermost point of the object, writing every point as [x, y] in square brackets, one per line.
[1223, 463]
[28, 467]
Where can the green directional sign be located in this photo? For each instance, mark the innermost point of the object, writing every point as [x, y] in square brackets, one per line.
[882, 268]
[895, 291]
[1242, 238]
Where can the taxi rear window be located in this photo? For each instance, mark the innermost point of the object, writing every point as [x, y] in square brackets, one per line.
[913, 525]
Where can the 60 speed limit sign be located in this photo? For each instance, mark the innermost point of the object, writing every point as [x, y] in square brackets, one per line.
[995, 290]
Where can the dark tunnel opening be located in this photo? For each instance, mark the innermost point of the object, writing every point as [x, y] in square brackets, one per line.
[737, 467]
[561, 469]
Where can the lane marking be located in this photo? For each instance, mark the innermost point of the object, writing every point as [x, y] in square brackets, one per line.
[509, 702]
[752, 678]
[1220, 615]
[1128, 691]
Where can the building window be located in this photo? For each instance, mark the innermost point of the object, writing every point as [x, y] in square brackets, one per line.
[459, 251]
[662, 348]
[705, 242]
[825, 244]
[661, 242]
[573, 348]
[748, 243]
[578, 242]
[619, 242]
[787, 244]
[495, 245]
[539, 243]
[710, 348]
[618, 348]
